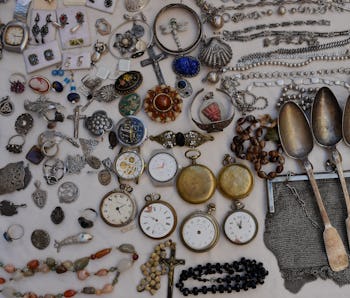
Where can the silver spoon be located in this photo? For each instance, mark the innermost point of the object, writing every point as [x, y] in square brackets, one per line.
[326, 119]
[297, 142]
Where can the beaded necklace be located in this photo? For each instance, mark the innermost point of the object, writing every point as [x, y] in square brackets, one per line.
[78, 266]
[235, 276]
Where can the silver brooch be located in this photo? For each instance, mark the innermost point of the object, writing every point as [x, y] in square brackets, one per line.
[98, 123]
[53, 170]
[68, 192]
[74, 164]
[215, 53]
[39, 196]
[135, 5]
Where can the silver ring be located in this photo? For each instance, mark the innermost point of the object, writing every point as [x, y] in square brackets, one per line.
[18, 77]
[47, 146]
[14, 232]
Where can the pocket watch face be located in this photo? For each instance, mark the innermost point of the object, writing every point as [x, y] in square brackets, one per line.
[200, 232]
[117, 209]
[157, 220]
[14, 35]
[129, 165]
[162, 167]
[131, 131]
[240, 227]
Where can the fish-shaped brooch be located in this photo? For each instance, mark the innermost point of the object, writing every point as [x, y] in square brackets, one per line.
[75, 239]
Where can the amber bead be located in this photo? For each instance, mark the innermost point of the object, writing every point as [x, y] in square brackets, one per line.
[33, 264]
[100, 254]
[69, 293]
[2, 280]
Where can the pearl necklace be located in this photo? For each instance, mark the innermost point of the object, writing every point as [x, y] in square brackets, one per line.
[78, 266]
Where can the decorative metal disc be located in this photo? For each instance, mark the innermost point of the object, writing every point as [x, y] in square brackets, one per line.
[68, 192]
[130, 104]
[24, 123]
[40, 239]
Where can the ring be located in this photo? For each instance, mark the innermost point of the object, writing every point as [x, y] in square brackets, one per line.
[18, 77]
[48, 145]
[13, 146]
[14, 232]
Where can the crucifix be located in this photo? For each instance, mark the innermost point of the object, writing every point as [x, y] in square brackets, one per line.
[171, 262]
[154, 60]
[76, 117]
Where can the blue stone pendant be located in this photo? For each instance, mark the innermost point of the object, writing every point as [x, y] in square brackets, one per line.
[186, 66]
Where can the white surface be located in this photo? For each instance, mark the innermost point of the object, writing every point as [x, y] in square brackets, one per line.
[91, 192]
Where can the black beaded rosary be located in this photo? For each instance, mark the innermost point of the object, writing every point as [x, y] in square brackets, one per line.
[227, 277]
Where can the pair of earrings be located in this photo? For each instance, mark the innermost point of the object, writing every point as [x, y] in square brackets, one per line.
[63, 21]
[43, 31]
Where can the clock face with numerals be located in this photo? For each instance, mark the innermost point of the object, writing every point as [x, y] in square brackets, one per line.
[157, 220]
[129, 165]
[162, 167]
[200, 231]
[240, 227]
[118, 208]
[14, 35]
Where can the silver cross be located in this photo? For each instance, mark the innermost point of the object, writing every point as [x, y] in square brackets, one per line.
[76, 117]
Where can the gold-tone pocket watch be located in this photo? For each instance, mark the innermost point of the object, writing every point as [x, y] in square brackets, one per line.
[195, 183]
[235, 180]
[157, 218]
[200, 231]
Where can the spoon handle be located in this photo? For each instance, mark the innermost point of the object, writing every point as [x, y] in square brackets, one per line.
[309, 170]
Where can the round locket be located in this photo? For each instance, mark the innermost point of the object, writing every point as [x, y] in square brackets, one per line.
[195, 183]
[200, 231]
[235, 180]
[240, 226]
[157, 218]
[118, 208]
[162, 167]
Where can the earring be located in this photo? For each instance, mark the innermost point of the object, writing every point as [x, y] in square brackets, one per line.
[73, 96]
[63, 21]
[45, 29]
[33, 59]
[79, 17]
[49, 55]
[108, 3]
[36, 28]
[68, 62]
[80, 61]
[58, 72]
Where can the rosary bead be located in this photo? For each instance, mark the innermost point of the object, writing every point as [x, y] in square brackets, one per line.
[69, 293]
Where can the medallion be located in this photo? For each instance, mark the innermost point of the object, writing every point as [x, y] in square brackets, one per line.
[130, 131]
[68, 192]
[57, 215]
[39, 196]
[135, 5]
[40, 239]
[104, 177]
[99, 123]
[39, 85]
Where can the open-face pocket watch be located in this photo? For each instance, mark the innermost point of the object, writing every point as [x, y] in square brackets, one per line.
[118, 208]
[235, 180]
[162, 168]
[195, 183]
[157, 218]
[240, 226]
[199, 231]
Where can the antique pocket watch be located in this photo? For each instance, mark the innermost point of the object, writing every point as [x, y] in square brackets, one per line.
[235, 180]
[157, 218]
[199, 231]
[118, 208]
[162, 167]
[240, 226]
[195, 183]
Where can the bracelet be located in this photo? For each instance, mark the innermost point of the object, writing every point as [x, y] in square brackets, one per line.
[191, 139]
[198, 35]
[14, 232]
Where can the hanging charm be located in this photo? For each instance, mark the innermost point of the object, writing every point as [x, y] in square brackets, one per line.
[39, 196]
[135, 5]
[45, 29]
[36, 28]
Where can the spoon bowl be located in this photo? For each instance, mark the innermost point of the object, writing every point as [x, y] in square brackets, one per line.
[346, 122]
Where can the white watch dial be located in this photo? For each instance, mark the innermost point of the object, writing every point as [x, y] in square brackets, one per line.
[199, 233]
[157, 220]
[162, 167]
[240, 227]
[129, 165]
[117, 209]
[14, 35]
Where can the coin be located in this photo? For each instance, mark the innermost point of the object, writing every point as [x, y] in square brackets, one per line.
[40, 239]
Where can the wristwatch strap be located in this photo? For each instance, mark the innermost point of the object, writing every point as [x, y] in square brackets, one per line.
[21, 10]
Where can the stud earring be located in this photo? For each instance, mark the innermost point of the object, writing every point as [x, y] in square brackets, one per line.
[62, 21]
[33, 59]
[49, 55]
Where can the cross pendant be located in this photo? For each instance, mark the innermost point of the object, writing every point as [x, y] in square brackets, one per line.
[76, 117]
[171, 262]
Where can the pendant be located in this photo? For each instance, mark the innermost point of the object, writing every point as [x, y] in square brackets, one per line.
[183, 87]
[39, 196]
[186, 66]
[135, 5]
[6, 106]
[40, 239]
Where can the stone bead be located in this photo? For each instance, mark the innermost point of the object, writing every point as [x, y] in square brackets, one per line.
[61, 269]
[9, 268]
[102, 253]
[28, 273]
[68, 265]
[124, 264]
[81, 263]
[89, 290]
[102, 272]
[50, 262]
[44, 268]
[18, 275]
[69, 293]
[30, 295]
[107, 288]
[83, 274]
[33, 264]
[2, 280]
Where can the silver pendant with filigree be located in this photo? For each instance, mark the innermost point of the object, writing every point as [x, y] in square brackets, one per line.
[39, 195]
[135, 5]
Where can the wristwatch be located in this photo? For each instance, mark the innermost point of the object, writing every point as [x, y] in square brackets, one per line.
[16, 33]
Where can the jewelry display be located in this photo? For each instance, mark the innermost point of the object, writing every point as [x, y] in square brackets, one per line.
[18, 82]
[98, 123]
[40, 239]
[73, 96]
[39, 195]
[57, 215]
[33, 59]
[128, 82]
[76, 117]
[81, 238]
[259, 131]
[14, 232]
[157, 219]
[63, 21]
[78, 266]
[6, 106]
[67, 192]
[49, 55]
[211, 113]
[8, 208]
[235, 276]
[103, 27]
[195, 183]
[53, 170]
[162, 104]
[87, 218]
